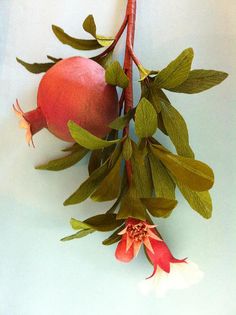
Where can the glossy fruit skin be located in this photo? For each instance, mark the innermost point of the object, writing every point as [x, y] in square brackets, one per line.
[75, 89]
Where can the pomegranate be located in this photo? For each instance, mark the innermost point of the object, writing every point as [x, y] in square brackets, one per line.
[73, 89]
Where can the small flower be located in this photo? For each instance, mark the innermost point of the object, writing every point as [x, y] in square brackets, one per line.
[135, 234]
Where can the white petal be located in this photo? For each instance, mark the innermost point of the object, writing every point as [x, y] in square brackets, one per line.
[182, 275]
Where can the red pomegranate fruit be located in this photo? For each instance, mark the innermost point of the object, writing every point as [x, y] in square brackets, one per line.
[73, 89]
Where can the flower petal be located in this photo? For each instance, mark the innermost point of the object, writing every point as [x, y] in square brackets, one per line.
[121, 253]
[182, 275]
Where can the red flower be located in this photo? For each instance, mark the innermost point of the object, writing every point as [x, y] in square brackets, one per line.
[135, 234]
[139, 232]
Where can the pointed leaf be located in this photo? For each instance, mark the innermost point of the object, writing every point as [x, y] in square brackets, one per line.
[116, 76]
[104, 222]
[163, 183]
[36, 67]
[104, 41]
[64, 162]
[150, 92]
[199, 201]
[114, 237]
[159, 207]
[142, 179]
[94, 161]
[176, 72]
[200, 80]
[191, 173]
[86, 139]
[80, 44]
[89, 186]
[104, 61]
[145, 119]
[176, 128]
[127, 149]
[79, 234]
[54, 59]
[89, 25]
[79, 225]
[122, 121]
[109, 188]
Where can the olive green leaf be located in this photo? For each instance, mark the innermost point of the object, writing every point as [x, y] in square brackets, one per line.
[102, 222]
[80, 44]
[54, 59]
[36, 67]
[86, 139]
[142, 179]
[176, 128]
[80, 234]
[127, 149]
[131, 206]
[74, 147]
[109, 188]
[176, 72]
[145, 119]
[159, 207]
[114, 237]
[89, 186]
[200, 80]
[151, 93]
[94, 161]
[64, 162]
[89, 26]
[191, 173]
[163, 184]
[122, 121]
[199, 201]
[116, 76]
[104, 61]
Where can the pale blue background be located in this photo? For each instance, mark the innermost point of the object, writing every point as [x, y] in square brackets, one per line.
[39, 275]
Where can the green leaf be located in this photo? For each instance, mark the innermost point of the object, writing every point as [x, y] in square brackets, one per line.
[73, 148]
[89, 186]
[151, 93]
[104, 61]
[54, 59]
[122, 121]
[104, 41]
[36, 67]
[80, 234]
[79, 225]
[176, 72]
[94, 161]
[89, 25]
[176, 128]
[200, 80]
[191, 173]
[114, 237]
[142, 179]
[109, 188]
[159, 207]
[102, 222]
[80, 44]
[199, 201]
[131, 206]
[86, 139]
[64, 162]
[127, 149]
[116, 76]
[163, 184]
[145, 119]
